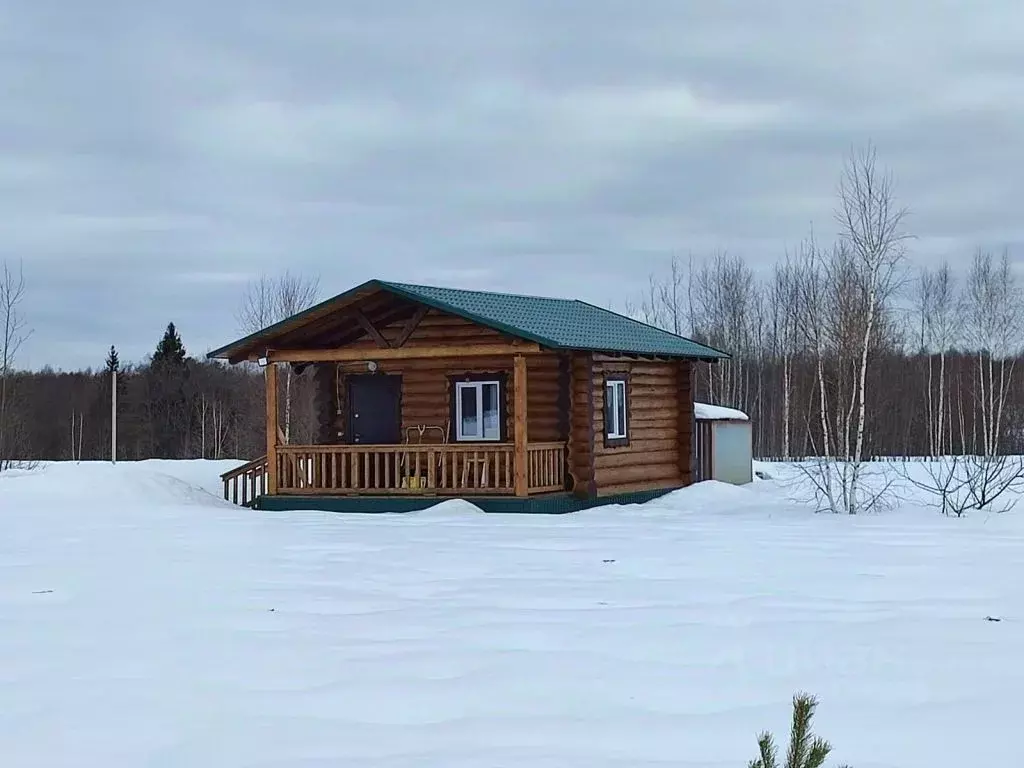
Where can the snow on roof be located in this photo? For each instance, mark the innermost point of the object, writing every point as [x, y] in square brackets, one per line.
[706, 412]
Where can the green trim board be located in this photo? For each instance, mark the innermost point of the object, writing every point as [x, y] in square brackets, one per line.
[553, 323]
[548, 504]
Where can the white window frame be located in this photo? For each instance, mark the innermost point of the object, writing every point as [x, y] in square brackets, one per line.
[615, 389]
[460, 386]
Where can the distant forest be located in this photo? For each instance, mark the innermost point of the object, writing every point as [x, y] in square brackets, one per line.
[840, 350]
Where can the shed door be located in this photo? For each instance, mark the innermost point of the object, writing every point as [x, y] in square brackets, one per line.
[375, 409]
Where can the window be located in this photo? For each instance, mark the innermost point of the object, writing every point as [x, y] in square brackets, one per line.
[615, 412]
[478, 410]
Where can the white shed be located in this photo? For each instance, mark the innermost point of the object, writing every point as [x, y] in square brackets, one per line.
[723, 448]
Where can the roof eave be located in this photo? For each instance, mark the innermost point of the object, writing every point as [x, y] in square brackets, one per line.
[229, 351]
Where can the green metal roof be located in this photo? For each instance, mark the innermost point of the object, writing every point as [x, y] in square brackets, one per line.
[554, 323]
[557, 323]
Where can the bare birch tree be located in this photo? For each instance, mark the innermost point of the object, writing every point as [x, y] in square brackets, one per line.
[994, 322]
[785, 303]
[268, 300]
[940, 313]
[13, 334]
[872, 226]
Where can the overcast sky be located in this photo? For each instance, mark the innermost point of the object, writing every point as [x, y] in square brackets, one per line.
[159, 154]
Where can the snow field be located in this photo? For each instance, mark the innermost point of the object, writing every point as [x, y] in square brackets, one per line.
[143, 621]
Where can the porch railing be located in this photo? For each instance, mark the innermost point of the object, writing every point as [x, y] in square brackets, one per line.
[545, 463]
[442, 469]
[244, 484]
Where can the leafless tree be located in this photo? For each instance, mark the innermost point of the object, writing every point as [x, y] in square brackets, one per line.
[268, 300]
[872, 226]
[994, 322]
[940, 312]
[785, 303]
[13, 334]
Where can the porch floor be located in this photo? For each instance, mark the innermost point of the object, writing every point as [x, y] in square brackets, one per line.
[540, 504]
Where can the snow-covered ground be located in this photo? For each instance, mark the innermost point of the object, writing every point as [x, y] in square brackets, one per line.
[144, 622]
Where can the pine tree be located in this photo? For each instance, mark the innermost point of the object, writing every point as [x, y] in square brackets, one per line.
[113, 363]
[170, 349]
[805, 749]
[170, 397]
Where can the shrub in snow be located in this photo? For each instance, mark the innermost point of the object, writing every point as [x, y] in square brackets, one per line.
[958, 484]
[805, 749]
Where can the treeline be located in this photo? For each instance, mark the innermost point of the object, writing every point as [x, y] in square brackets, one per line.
[172, 406]
[169, 406]
[941, 369]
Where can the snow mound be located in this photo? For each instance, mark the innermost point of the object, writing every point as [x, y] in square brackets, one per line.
[706, 412]
[150, 483]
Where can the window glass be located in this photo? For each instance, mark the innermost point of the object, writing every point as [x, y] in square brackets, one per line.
[478, 410]
[467, 401]
[615, 416]
[620, 407]
[491, 410]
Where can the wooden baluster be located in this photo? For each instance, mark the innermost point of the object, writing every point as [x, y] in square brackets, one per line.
[444, 469]
[431, 469]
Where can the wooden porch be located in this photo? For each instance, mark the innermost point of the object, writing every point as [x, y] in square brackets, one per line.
[511, 467]
[401, 470]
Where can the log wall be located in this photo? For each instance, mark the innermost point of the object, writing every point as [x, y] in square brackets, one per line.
[659, 426]
[581, 418]
[426, 384]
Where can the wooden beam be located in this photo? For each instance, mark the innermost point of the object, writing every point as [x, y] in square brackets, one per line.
[371, 329]
[522, 487]
[410, 326]
[403, 353]
[685, 421]
[272, 428]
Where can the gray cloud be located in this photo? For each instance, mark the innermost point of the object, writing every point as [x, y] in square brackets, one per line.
[158, 155]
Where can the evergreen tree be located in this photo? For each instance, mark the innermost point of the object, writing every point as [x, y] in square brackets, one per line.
[170, 349]
[805, 749]
[113, 363]
[170, 397]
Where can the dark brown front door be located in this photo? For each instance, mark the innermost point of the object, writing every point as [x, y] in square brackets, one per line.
[375, 409]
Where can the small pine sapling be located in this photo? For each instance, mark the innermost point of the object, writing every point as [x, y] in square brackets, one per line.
[805, 749]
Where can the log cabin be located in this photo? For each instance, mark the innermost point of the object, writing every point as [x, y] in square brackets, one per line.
[514, 403]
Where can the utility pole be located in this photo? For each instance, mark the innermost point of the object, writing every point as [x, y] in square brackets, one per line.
[113, 416]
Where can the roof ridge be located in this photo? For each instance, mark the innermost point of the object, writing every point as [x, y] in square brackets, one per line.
[474, 290]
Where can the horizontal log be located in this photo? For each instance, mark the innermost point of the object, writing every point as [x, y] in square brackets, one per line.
[625, 458]
[656, 369]
[637, 474]
[662, 485]
[402, 353]
[635, 445]
[462, 335]
[306, 451]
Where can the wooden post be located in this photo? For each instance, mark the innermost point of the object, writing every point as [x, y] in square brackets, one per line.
[519, 421]
[113, 416]
[271, 378]
[686, 429]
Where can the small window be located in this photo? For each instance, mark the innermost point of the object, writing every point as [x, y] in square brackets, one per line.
[615, 412]
[477, 410]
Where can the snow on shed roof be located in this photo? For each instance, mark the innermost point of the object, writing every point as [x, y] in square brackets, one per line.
[705, 412]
